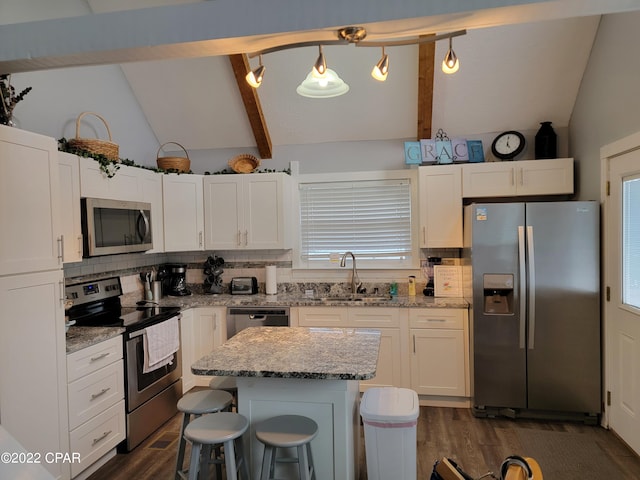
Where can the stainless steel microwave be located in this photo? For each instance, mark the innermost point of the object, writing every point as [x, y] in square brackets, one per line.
[114, 226]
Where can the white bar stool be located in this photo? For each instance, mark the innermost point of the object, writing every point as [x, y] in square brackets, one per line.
[223, 428]
[287, 431]
[196, 404]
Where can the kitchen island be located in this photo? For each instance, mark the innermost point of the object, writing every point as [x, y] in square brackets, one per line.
[313, 372]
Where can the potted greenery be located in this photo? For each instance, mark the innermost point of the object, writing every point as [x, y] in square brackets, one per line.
[9, 99]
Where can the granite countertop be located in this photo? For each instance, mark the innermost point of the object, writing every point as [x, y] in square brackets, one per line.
[295, 352]
[83, 337]
[297, 300]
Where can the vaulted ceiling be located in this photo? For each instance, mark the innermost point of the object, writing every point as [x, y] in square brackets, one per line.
[520, 65]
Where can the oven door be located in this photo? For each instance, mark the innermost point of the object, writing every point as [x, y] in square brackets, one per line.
[141, 386]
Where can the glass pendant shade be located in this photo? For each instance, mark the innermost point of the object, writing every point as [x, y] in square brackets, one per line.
[322, 86]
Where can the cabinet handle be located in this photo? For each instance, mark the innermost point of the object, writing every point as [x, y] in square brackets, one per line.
[100, 438]
[80, 246]
[246, 238]
[100, 393]
[424, 235]
[239, 239]
[414, 344]
[521, 172]
[99, 357]
[61, 249]
[436, 319]
[513, 180]
[62, 294]
[200, 238]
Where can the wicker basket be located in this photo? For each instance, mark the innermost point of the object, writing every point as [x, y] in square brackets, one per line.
[244, 163]
[180, 164]
[93, 145]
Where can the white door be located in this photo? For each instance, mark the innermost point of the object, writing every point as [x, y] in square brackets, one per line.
[622, 309]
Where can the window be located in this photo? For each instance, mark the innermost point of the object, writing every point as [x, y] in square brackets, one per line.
[371, 218]
[631, 242]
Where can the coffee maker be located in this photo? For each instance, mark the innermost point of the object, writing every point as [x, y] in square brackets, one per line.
[174, 279]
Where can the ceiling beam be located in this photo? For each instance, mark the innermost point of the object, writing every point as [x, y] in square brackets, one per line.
[240, 66]
[426, 62]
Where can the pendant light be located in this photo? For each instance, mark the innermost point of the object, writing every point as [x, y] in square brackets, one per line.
[450, 64]
[381, 69]
[254, 77]
[320, 67]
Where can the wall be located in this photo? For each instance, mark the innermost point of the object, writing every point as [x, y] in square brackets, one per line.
[608, 102]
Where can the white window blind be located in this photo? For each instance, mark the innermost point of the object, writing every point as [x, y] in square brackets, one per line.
[371, 218]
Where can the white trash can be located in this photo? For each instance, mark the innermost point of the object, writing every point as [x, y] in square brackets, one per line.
[390, 417]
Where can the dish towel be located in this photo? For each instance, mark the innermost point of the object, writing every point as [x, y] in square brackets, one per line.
[161, 341]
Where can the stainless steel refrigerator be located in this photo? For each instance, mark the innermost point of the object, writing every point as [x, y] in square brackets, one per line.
[534, 280]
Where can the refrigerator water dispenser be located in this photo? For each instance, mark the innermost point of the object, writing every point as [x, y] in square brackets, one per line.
[498, 293]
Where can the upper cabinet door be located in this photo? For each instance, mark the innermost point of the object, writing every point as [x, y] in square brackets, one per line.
[183, 212]
[265, 210]
[223, 205]
[440, 193]
[124, 185]
[30, 239]
[69, 169]
[523, 177]
[546, 177]
[494, 179]
[247, 211]
[151, 186]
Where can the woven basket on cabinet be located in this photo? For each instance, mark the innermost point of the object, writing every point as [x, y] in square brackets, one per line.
[94, 145]
[173, 163]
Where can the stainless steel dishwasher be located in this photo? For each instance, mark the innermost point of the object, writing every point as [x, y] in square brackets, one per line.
[239, 318]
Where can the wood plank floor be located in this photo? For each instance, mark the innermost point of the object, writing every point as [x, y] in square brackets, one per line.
[478, 445]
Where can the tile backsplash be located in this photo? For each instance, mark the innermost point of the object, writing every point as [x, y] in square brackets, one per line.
[245, 264]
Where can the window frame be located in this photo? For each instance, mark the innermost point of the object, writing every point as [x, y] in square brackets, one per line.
[412, 263]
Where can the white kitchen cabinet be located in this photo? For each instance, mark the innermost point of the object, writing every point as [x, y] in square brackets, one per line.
[151, 187]
[439, 352]
[69, 174]
[33, 375]
[334, 317]
[94, 183]
[247, 211]
[518, 178]
[183, 210]
[440, 207]
[387, 321]
[96, 402]
[30, 233]
[202, 330]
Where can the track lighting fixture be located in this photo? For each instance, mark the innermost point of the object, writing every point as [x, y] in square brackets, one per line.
[381, 69]
[254, 77]
[450, 64]
[320, 67]
[323, 82]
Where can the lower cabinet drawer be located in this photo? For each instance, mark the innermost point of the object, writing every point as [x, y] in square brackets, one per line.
[93, 393]
[96, 437]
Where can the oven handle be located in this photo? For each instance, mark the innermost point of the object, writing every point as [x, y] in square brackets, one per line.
[140, 332]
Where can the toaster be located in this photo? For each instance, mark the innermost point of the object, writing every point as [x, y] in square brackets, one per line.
[244, 286]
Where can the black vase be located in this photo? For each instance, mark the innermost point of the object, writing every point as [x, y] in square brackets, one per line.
[546, 141]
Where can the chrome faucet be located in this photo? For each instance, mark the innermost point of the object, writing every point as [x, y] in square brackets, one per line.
[356, 284]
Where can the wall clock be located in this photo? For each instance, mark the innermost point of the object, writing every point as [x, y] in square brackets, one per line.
[508, 145]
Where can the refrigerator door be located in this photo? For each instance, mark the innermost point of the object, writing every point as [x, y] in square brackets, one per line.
[563, 338]
[499, 354]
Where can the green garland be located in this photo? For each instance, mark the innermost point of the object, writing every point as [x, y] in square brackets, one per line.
[110, 167]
